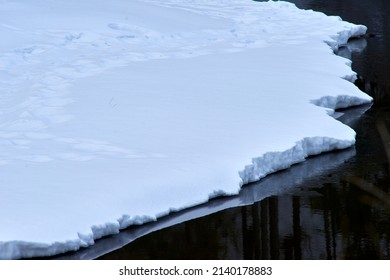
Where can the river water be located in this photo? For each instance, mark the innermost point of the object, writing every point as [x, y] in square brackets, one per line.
[333, 206]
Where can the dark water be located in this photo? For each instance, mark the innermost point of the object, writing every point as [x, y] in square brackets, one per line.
[319, 209]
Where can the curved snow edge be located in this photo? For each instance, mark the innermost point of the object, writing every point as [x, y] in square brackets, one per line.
[342, 37]
[275, 161]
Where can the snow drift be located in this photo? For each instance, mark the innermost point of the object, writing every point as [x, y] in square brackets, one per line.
[117, 113]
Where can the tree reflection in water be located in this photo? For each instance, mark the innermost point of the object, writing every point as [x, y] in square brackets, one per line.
[326, 223]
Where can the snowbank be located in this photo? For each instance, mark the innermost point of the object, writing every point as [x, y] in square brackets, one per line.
[118, 113]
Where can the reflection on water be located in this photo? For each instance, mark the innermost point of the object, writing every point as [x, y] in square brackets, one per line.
[310, 211]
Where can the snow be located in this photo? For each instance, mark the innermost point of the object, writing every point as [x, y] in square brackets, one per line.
[119, 113]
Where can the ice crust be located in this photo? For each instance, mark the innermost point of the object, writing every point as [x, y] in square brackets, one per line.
[115, 114]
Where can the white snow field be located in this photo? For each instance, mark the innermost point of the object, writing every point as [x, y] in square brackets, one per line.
[114, 113]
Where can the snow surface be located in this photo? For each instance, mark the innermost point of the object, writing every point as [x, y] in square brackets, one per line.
[117, 113]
